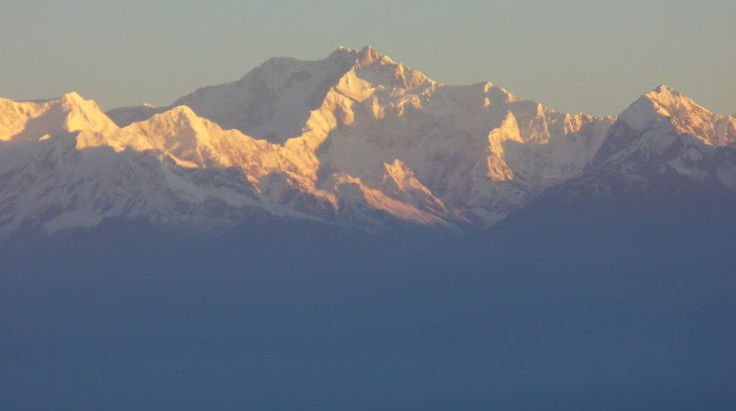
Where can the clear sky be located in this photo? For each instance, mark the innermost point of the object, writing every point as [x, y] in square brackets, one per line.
[592, 56]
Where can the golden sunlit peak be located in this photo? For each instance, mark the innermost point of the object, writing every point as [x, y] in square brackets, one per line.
[369, 55]
[71, 96]
[666, 96]
[664, 88]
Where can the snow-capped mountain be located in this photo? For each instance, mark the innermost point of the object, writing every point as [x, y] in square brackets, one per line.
[359, 118]
[355, 139]
[664, 145]
[65, 164]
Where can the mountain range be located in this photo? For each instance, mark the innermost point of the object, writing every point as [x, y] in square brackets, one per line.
[354, 140]
[350, 234]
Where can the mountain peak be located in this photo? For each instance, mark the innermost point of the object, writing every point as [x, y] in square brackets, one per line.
[71, 96]
[664, 104]
[664, 88]
[667, 96]
[369, 55]
[82, 114]
[179, 118]
[664, 119]
[73, 99]
[686, 116]
[181, 111]
[341, 49]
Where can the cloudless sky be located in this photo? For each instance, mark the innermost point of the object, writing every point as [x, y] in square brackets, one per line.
[592, 56]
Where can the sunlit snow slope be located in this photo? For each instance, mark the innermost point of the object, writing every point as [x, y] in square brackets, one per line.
[356, 139]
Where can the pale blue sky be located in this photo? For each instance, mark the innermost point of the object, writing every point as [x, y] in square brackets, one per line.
[593, 56]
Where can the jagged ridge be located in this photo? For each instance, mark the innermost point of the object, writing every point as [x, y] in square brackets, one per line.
[356, 138]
